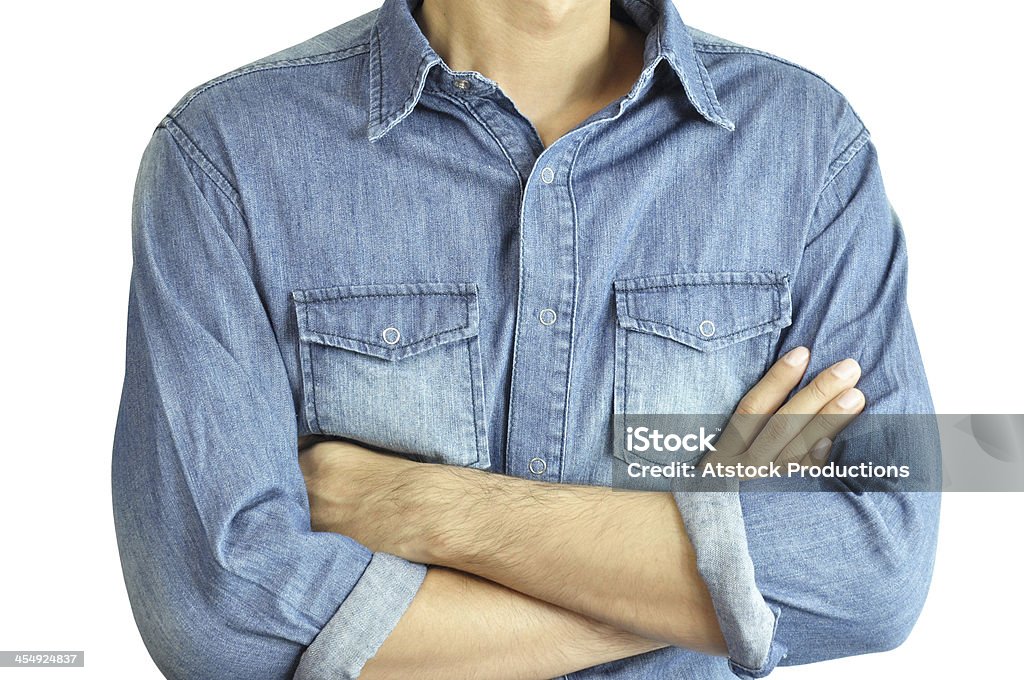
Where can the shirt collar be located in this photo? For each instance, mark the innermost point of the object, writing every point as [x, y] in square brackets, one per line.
[401, 59]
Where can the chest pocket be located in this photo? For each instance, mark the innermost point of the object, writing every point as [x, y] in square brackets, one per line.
[694, 343]
[396, 366]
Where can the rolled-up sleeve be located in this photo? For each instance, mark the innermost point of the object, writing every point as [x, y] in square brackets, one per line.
[224, 575]
[808, 575]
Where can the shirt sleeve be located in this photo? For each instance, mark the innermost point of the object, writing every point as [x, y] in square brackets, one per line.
[808, 575]
[225, 577]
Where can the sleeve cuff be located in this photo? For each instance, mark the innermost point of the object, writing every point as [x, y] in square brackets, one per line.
[713, 517]
[363, 621]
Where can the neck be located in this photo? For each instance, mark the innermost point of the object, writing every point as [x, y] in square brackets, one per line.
[548, 56]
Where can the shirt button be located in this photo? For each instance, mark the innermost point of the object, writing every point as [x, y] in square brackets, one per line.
[707, 328]
[391, 335]
[548, 316]
[548, 175]
[538, 466]
[462, 84]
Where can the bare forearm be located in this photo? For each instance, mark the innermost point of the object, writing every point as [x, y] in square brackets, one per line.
[623, 558]
[463, 626]
[620, 557]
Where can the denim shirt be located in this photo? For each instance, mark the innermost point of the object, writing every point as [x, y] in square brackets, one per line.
[348, 238]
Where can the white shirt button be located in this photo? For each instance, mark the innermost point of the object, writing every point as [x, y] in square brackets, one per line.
[548, 316]
[391, 335]
[538, 466]
[707, 328]
[548, 175]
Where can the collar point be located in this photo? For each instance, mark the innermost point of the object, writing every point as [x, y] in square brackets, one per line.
[376, 129]
[726, 123]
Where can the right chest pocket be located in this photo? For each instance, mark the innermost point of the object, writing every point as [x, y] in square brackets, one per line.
[396, 366]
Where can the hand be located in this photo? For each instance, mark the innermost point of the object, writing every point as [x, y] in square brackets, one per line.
[764, 430]
[361, 493]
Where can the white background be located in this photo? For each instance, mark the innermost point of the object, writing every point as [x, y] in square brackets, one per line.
[85, 83]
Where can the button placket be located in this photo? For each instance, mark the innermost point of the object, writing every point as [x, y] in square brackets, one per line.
[548, 270]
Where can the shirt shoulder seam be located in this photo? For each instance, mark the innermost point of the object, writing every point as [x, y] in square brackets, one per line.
[848, 154]
[312, 60]
[829, 190]
[718, 48]
[203, 162]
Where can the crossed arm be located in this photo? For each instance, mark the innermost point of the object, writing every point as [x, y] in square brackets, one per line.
[226, 579]
[536, 579]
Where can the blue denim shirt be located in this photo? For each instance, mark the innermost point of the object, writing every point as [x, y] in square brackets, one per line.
[349, 238]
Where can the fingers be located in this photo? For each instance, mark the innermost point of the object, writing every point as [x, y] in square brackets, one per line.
[795, 414]
[830, 421]
[818, 454]
[826, 386]
[763, 399]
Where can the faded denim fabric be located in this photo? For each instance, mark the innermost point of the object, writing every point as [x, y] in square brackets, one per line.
[348, 238]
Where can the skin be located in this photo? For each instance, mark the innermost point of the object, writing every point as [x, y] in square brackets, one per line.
[558, 60]
[565, 545]
[463, 626]
[528, 579]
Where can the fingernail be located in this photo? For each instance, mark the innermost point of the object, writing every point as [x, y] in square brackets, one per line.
[849, 399]
[845, 369]
[797, 356]
[819, 451]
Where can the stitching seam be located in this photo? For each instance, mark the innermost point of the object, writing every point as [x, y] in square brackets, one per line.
[326, 58]
[307, 352]
[475, 366]
[756, 327]
[575, 299]
[848, 154]
[313, 300]
[669, 286]
[196, 155]
[314, 335]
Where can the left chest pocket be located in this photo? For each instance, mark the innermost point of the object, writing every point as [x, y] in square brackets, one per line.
[396, 366]
[694, 343]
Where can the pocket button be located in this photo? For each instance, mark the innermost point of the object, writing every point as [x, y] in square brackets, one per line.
[707, 328]
[391, 335]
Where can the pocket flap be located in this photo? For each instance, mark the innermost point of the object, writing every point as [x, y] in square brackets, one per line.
[389, 321]
[704, 310]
